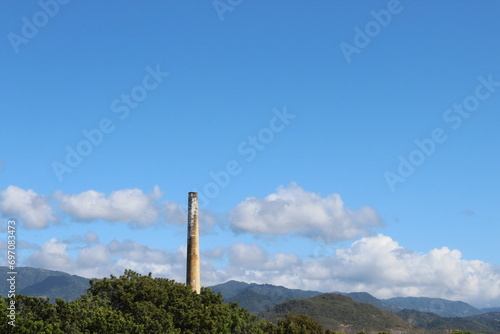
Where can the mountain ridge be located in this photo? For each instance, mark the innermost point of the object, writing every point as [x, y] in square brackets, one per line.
[36, 282]
[45, 283]
[340, 313]
[442, 307]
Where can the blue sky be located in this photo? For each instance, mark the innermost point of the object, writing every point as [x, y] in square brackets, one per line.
[328, 141]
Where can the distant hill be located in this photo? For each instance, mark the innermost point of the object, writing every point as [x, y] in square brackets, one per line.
[365, 297]
[491, 319]
[443, 307]
[259, 297]
[488, 323]
[490, 309]
[230, 288]
[45, 283]
[339, 313]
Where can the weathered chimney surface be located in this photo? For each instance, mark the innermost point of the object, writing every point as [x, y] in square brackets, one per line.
[193, 245]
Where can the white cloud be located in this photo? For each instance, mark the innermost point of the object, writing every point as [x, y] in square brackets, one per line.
[26, 205]
[91, 237]
[53, 255]
[101, 260]
[294, 210]
[127, 205]
[175, 214]
[377, 265]
[380, 265]
[214, 253]
[248, 256]
[93, 256]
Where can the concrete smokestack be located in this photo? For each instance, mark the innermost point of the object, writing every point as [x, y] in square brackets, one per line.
[193, 244]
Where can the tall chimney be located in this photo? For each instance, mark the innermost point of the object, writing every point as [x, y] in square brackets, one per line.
[193, 245]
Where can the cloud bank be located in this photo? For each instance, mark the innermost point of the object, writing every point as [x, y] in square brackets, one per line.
[33, 209]
[128, 206]
[376, 264]
[294, 210]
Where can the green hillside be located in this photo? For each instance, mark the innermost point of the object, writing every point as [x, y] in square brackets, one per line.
[443, 307]
[339, 313]
[45, 283]
[485, 323]
[264, 296]
[131, 303]
[259, 297]
[365, 297]
[230, 288]
[65, 287]
[491, 319]
[348, 312]
[255, 302]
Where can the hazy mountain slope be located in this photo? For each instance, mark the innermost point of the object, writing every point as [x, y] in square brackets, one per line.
[44, 283]
[443, 307]
[432, 321]
[491, 319]
[259, 297]
[490, 309]
[365, 297]
[65, 287]
[338, 312]
[255, 302]
[230, 288]
[267, 295]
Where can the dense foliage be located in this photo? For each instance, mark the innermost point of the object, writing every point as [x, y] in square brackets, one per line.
[133, 303]
[340, 312]
[484, 323]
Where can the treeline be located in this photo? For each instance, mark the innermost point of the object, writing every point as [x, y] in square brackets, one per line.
[133, 303]
[136, 304]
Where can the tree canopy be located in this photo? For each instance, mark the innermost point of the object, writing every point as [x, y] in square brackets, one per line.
[133, 303]
[136, 304]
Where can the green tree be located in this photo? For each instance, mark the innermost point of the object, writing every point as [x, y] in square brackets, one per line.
[34, 315]
[95, 315]
[159, 303]
[133, 304]
[299, 324]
